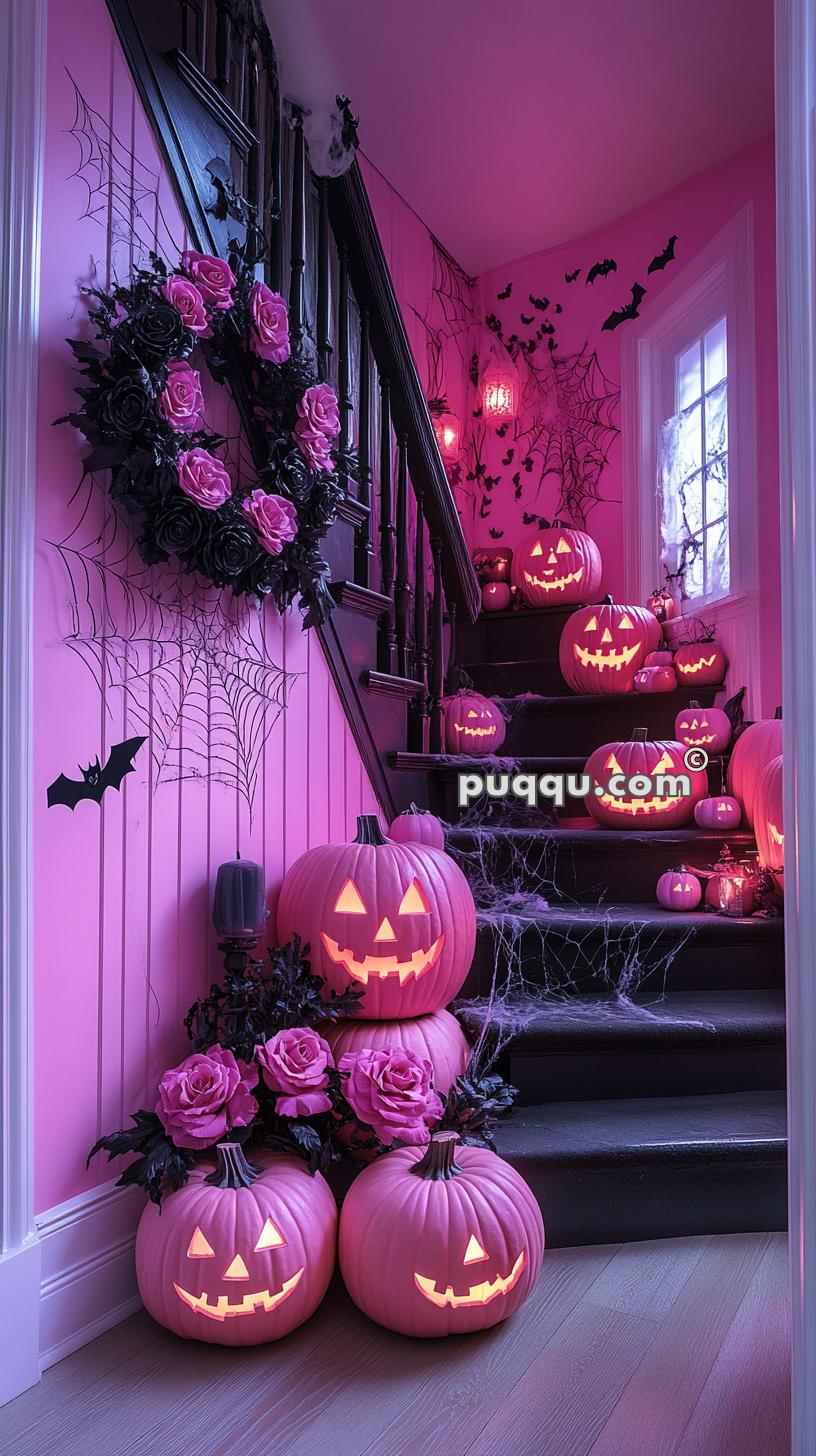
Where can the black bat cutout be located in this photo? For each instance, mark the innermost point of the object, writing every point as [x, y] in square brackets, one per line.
[494, 534]
[660, 260]
[571, 277]
[527, 318]
[629, 311]
[539, 303]
[600, 270]
[505, 293]
[96, 780]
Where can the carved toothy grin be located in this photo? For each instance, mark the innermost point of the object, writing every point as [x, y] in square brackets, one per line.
[635, 806]
[777, 837]
[558, 583]
[614, 659]
[222, 1309]
[382, 966]
[692, 667]
[700, 742]
[477, 1293]
[474, 732]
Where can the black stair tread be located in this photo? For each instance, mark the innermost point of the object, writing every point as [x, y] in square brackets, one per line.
[594, 834]
[731, 1127]
[454, 763]
[707, 925]
[676, 1019]
[603, 702]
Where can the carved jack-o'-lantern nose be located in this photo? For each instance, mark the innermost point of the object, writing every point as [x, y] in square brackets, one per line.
[237, 1269]
[551, 561]
[607, 636]
[385, 931]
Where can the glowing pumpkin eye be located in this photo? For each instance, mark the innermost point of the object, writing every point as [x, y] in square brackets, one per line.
[592, 625]
[414, 901]
[665, 762]
[612, 763]
[349, 901]
[271, 1237]
[199, 1248]
[538, 549]
[626, 624]
[474, 1251]
[472, 714]
[562, 547]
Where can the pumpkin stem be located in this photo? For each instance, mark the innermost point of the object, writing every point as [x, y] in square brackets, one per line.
[437, 1162]
[233, 1171]
[694, 703]
[608, 601]
[778, 713]
[640, 735]
[369, 830]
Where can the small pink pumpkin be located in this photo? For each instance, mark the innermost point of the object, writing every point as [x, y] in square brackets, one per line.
[661, 658]
[243, 1253]
[708, 728]
[496, 596]
[440, 1241]
[700, 663]
[417, 826]
[473, 724]
[679, 890]
[437, 1037]
[655, 680]
[722, 811]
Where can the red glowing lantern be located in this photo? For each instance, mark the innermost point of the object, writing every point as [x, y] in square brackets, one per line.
[448, 434]
[663, 604]
[500, 390]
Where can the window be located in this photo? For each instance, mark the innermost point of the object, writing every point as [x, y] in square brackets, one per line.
[693, 469]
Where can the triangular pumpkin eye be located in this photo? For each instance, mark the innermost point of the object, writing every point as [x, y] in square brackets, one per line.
[562, 547]
[612, 763]
[349, 901]
[626, 624]
[271, 1237]
[665, 762]
[538, 549]
[472, 713]
[414, 901]
[592, 625]
[474, 1251]
[199, 1248]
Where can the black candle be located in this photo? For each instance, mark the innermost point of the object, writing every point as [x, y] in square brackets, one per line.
[239, 908]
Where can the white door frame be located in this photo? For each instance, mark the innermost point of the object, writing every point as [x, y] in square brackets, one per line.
[795, 85]
[22, 126]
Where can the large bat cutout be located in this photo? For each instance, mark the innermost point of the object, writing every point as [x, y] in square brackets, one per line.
[660, 260]
[602, 269]
[96, 780]
[629, 311]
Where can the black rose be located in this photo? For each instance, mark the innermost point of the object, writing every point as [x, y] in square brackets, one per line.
[229, 551]
[178, 525]
[156, 333]
[125, 408]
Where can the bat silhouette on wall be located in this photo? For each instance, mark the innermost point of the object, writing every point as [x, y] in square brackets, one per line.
[527, 318]
[95, 780]
[539, 303]
[494, 534]
[571, 277]
[505, 293]
[600, 270]
[629, 311]
[660, 260]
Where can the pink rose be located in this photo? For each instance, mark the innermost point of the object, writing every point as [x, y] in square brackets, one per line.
[269, 322]
[273, 519]
[293, 1065]
[187, 301]
[314, 447]
[213, 277]
[206, 1095]
[390, 1090]
[318, 410]
[181, 401]
[203, 479]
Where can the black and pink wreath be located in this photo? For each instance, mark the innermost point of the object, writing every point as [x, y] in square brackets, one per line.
[142, 413]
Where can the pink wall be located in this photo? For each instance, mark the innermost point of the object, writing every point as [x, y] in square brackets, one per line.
[123, 938]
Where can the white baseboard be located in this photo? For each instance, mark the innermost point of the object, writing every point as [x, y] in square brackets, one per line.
[19, 1296]
[88, 1273]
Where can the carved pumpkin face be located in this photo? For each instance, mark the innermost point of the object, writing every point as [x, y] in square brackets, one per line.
[470, 1243]
[473, 724]
[615, 764]
[708, 728]
[556, 566]
[679, 890]
[722, 812]
[603, 647]
[397, 920]
[238, 1265]
[700, 663]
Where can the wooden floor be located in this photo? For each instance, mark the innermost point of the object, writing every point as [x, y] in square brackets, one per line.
[672, 1348]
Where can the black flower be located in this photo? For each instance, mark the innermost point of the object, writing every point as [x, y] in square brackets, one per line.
[178, 525]
[124, 408]
[155, 332]
[230, 549]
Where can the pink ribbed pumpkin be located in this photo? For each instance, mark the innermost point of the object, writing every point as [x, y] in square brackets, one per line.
[556, 566]
[440, 1241]
[417, 826]
[602, 647]
[661, 658]
[708, 728]
[397, 919]
[437, 1037]
[769, 826]
[679, 890]
[473, 724]
[241, 1260]
[612, 765]
[700, 663]
[655, 680]
[721, 812]
[755, 747]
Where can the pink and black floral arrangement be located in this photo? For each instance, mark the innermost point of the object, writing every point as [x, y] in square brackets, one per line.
[142, 412]
[260, 1073]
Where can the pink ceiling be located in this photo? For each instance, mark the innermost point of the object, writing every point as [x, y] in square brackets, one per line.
[514, 125]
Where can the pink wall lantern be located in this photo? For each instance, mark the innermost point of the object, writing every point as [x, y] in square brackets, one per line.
[448, 432]
[499, 386]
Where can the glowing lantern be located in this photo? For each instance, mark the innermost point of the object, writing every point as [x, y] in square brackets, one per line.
[440, 1241]
[499, 386]
[602, 647]
[700, 663]
[492, 563]
[557, 565]
[396, 919]
[241, 1255]
[679, 890]
[768, 823]
[708, 728]
[438, 1038]
[496, 596]
[633, 768]
[473, 724]
[448, 433]
[731, 886]
[753, 749]
[663, 604]
[722, 812]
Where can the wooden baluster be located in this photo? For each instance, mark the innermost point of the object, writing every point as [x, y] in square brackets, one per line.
[324, 344]
[387, 650]
[362, 545]
[437, 682]
[402, 596]
[344, 395]
[186, 30]
[451, 681]
[222, 45]
[418, 711]
[297, 259]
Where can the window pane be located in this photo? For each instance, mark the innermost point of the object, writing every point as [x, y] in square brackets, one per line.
[717, 562]
[716, 361]
[694, 574]
[717, 489]
[689, 385]
[689, 441]
[716, 421]
[691, 505]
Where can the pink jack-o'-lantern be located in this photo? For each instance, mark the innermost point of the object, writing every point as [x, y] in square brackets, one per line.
[768, 820]
[417, 826]
[679, 890]
[720, 812]
[496, 596]
[753, 749]
[437, 1037]
[655, 680]
[633, 785]
[556, 566]
[473, 724]
[602, 647]
[708, 728]
[239, 1255]
[440, 1241]
[700, 663]
[397, 919]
